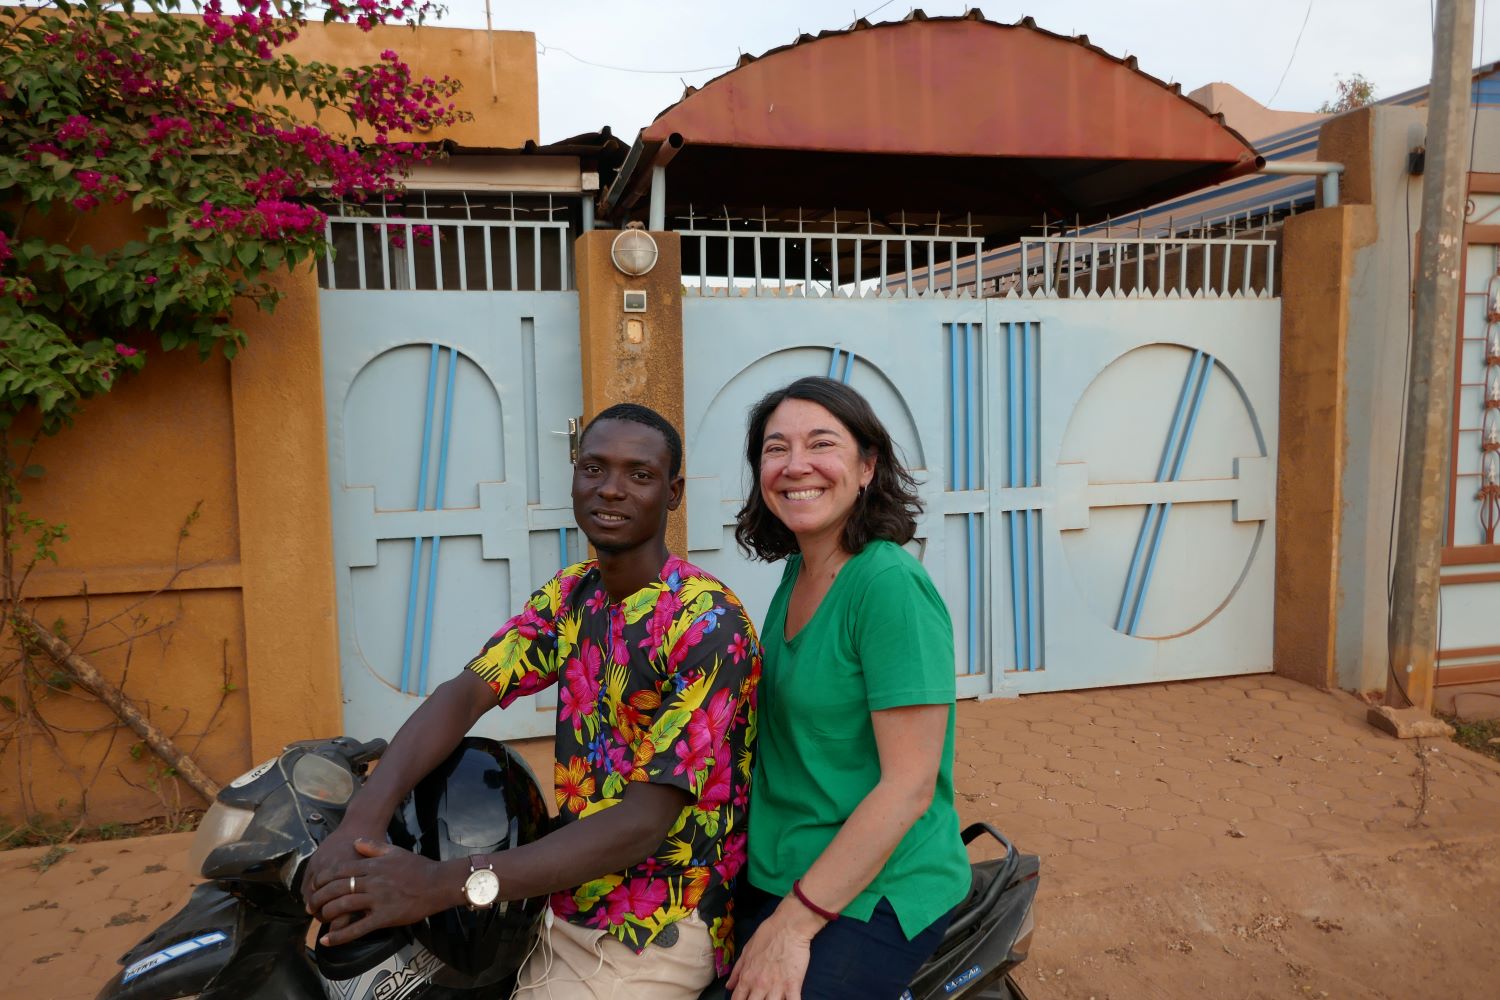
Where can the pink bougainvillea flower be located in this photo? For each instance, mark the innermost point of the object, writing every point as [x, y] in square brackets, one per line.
[126, 351]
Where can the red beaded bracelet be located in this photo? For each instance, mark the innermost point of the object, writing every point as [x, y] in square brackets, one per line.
[802, 898]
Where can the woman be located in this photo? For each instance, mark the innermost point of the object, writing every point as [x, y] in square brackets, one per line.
[855, 854]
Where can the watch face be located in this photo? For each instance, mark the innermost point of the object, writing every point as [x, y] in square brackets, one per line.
[482, 887]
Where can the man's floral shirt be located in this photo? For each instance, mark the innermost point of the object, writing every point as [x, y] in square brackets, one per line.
[659, 687]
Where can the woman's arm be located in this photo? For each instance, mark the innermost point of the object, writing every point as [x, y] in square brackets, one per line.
[910, 744]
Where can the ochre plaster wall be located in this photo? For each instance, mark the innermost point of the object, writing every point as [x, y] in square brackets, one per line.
[162, 615]
[1319, 250]
[498, 71]
[285, 523]
[627, 364]
[1349, 139]
[224, 635]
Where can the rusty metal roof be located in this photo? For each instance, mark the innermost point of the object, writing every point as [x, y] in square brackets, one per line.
[1007, 123]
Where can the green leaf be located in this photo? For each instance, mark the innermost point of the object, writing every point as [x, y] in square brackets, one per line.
[247, 253]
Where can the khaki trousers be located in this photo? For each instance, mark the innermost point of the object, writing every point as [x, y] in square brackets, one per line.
[581, 963]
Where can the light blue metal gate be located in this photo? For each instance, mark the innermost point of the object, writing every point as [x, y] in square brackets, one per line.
[447, 444]
[1099, 469]
[735, 350]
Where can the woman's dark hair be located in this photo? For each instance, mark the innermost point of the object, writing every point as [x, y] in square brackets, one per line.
[888, 508]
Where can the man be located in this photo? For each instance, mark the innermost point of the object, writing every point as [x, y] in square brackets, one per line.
[658, 665]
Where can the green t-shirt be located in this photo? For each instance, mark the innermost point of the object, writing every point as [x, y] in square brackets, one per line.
[881, 638]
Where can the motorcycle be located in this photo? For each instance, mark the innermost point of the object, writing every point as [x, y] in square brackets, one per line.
[242, 935]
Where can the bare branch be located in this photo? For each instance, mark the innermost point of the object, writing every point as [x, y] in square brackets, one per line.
[86, 675]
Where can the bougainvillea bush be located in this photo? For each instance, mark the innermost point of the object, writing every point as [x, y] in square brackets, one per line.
[197, 132]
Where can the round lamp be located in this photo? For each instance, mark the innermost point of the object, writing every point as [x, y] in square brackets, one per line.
[633, 251]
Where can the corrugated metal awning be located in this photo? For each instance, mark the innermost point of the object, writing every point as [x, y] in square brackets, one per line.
[998, 124]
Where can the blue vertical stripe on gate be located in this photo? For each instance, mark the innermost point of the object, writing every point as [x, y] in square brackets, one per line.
[953, 409]
[416, 552]
[437, 540]
[971, 481]
[1153, 526]
[963, 472]
[833, 365]
[1014, 463]
[971, 410]
[1022, 342]
[562, 549]
[1034, 587]
[1033, 548]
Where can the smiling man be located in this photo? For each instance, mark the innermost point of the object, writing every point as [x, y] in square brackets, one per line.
[657, 665]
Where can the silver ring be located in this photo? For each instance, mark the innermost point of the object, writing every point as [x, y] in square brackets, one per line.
[351, 883]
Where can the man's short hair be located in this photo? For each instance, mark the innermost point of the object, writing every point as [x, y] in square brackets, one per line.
[638, 414]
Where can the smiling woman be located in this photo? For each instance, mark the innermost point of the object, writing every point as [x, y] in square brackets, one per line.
[854, 840]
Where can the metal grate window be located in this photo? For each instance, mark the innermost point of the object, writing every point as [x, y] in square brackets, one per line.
[453, 243]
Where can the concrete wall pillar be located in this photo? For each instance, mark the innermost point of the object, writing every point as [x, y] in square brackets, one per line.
[632, 357]
[286, 527]
[1318, 250]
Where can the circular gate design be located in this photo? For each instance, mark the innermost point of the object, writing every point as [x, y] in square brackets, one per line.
[1173, 452]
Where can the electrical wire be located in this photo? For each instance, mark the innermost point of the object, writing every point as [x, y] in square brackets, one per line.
[1474, 131]
[1390, 555]
[1293, 57]
[543, 49]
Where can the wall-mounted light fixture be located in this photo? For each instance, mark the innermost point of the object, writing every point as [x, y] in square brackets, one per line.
[633, 251]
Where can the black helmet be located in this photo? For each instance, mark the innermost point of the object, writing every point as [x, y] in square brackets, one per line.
[481, 800]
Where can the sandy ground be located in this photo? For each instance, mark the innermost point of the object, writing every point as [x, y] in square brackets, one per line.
[1241, 838]
[1419, 922]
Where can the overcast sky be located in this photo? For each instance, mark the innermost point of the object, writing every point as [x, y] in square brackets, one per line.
[1247, 43]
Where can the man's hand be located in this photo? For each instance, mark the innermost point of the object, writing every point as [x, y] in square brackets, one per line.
[386, 887]
[334, 854]
[776, 956]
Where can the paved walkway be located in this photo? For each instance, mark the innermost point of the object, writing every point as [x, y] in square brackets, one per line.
[1111, 787]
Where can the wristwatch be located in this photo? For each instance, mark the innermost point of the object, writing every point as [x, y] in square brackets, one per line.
[482, 887]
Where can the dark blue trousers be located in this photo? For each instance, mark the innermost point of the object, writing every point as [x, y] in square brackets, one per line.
[869, 959]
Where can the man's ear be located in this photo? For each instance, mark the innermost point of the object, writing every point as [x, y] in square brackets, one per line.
[674, 499]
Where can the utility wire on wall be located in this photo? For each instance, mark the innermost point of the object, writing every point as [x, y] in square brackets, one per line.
[543, 49]
[1298, 42]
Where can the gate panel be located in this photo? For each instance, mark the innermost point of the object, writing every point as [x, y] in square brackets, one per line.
[1098, 473]
[1142, 435]
[448, 464]
[919, 362]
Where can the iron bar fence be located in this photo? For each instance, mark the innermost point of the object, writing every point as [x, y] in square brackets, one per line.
[446, 255]
[1134, 266]
[820, 265]
[861, 265]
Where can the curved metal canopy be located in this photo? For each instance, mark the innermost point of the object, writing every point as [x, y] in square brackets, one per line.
[1003, 124]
